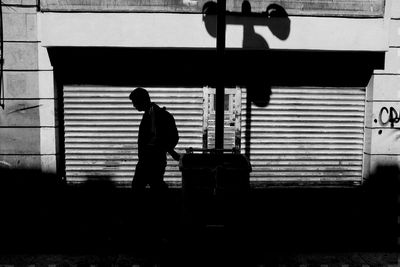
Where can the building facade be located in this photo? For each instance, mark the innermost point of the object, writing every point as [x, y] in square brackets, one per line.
[312, 88]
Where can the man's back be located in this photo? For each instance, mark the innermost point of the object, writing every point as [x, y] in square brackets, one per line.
[157, 133]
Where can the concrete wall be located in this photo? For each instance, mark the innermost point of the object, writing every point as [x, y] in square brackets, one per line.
[28, 115]
[190, 31]
[29, 124]
[383, 103]
[354, 8]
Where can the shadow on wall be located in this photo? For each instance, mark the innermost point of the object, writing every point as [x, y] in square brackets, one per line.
[96, 208]
[276, 19]
[26, 199]
[40, 213]
[43, 214]
[380, 208]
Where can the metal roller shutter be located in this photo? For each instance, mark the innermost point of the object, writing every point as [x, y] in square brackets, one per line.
[101, 129]
[305, 135]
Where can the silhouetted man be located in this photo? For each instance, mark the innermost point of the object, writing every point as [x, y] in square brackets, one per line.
[157, 136]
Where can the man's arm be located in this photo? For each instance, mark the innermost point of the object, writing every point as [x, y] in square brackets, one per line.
[165, 132]
[174, 154]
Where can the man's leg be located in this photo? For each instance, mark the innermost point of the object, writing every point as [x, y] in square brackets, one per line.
[156, 178]
[159, 201]
[139, 203]
[140, 179]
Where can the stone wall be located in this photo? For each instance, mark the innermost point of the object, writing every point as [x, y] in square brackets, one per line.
[383, 103]
[27, 119]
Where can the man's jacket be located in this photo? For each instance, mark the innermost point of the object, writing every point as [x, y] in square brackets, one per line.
[157, 134]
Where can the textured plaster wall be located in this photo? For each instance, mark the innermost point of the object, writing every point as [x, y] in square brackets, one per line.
[28, 136]
[189, 31]
[27, 121]
[383, 102]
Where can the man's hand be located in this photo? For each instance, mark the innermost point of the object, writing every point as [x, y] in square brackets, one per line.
[174, 155]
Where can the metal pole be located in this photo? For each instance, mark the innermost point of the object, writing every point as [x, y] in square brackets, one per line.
[220, 88]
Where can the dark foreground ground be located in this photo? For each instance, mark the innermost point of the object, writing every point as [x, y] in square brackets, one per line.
[46, 222]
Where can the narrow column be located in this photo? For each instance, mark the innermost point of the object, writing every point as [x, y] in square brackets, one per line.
[220, 90]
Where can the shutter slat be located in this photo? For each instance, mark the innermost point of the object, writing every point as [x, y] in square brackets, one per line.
[101, 129]
[305, 134]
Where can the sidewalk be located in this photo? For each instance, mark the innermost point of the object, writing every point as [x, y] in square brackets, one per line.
[44, 223]
[353, 259]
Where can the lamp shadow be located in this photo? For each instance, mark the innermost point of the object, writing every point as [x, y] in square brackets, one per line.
[276, 19]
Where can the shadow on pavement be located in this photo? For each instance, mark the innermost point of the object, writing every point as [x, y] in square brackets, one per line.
[42, 214]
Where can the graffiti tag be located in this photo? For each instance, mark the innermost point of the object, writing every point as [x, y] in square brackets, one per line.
[390, 115]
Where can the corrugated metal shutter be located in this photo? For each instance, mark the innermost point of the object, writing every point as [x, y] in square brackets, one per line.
[305, 134]
[231, 117]
[101, 129]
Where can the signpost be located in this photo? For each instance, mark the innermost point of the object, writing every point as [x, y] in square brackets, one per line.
[220, 88]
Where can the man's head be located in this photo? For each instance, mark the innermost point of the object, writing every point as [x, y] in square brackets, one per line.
[140, 99]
